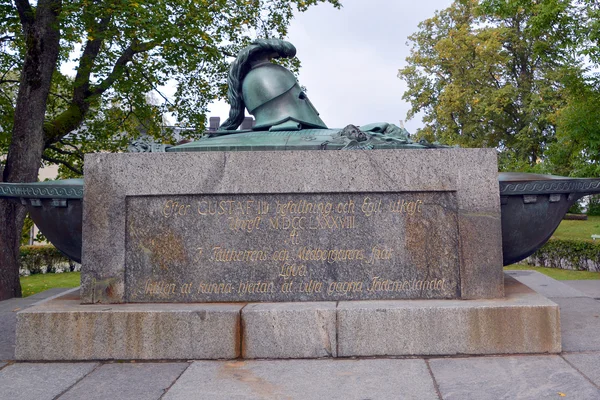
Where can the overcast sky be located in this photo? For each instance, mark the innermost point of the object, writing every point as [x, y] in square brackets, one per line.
[350, 59]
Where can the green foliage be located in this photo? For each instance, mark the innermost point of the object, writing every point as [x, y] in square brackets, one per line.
[510, 75]
[576, 151]
[42, 259]
[125, 50]
[26, 231]
[569, 254]
[594, 208]
[576, 208]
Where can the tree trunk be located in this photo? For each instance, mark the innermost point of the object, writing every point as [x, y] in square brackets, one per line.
[42, 35]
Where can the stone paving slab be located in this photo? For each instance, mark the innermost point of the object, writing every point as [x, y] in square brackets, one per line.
[587, 363]
[7, 335]
[590, 287]
[305, 380]
[40, 381]
[133, 381]
[521, 377]
[20, 303]
[580, 324]
[545, 285]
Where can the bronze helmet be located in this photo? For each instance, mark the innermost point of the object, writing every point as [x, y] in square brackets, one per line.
[269, 91]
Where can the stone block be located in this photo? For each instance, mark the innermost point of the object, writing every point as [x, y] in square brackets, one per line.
[183, 227]
[63, 329]
[289, 330]
[523, 322]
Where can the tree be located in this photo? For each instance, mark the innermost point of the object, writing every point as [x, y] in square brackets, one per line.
[123, 50]
[493, 73]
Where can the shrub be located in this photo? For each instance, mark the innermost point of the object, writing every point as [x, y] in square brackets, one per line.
[594, 205]
[577, 255]
[43, 259]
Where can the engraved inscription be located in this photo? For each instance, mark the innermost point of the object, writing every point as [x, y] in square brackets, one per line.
[292, 247]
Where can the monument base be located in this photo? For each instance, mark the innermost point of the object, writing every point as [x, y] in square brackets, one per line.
[63, 329]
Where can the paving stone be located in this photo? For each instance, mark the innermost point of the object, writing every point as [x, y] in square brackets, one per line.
[580, 324]
[590, 287]
[524, 377]
[7, 335]
[40, 381]
[545, 285]
[305, 380]
[587, 363]
[50, 293]
[13, 304]
[289, 330]
[143, 381]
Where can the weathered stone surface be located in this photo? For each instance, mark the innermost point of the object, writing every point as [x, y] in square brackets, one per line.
[143, 381]
[2, 364]
[587, 363]
[291, 247]
[523, 322]
[289, 330]
[530, 377]
[580, 323]
[8, 318]
[40, 381]
[305, 380]
[545, 285]
[62, 329]
[127, 201]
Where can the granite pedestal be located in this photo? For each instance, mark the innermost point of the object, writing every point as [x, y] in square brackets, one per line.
[63, 329]
[277, 226]
[291, 254]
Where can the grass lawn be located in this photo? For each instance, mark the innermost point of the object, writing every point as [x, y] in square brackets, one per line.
[33, 284]
[582, 230]
[557, 273]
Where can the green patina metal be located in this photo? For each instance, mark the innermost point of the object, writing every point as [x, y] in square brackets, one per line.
[285, 117]
[373, 136]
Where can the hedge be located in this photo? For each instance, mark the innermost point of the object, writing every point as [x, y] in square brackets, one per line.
[43, 259]
[576, 255]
